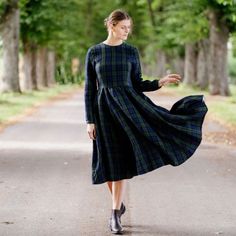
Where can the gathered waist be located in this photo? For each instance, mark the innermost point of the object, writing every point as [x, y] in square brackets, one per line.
[114, 86]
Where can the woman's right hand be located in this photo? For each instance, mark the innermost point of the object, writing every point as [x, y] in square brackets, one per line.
[171, 78]
[91, 131]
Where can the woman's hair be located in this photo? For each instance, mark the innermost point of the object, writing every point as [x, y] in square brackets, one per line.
[116, 16]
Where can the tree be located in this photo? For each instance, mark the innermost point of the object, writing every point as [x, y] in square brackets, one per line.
[52, 32]
[9, 28]
[204, 28]
[222, 18]
[38, 24]
[183, 25]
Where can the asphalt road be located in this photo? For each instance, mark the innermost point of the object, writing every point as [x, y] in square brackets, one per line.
[46, 190]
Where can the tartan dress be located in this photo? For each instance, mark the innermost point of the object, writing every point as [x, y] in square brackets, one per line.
[133, 135]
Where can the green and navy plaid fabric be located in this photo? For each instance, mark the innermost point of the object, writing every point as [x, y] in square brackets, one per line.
[134, 135]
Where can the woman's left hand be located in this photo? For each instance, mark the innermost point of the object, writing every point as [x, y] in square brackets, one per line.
[171, 78]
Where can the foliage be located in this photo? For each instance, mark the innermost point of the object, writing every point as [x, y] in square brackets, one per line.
[5, 7]
[232, 68]
[227, 9]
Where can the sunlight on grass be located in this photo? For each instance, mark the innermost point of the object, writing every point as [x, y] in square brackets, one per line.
[12, 104]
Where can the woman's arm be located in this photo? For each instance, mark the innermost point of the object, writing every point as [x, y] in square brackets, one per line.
[149, 85]
[136, 76]
[90, 88]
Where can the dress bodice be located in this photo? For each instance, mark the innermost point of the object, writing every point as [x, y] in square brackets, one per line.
[114, 65]
[111, 67]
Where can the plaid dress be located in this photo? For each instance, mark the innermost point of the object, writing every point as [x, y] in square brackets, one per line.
[133, 135]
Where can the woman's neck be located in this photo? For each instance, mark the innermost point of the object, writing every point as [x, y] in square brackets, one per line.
[113, 41]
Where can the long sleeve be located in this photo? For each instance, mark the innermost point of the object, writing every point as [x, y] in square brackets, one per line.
[90, 88]
[136, 76]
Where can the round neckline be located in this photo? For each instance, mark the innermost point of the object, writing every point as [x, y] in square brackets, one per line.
[112, 45]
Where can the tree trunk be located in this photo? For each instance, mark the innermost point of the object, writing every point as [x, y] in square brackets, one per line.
[178, 66]
[160, 68]
[41, 64]
[51, 67]
[30, 56]
[151, 13]
[218, 75]
[9, 81]
[190, 64]
[203, 63]
[157, 69]
[21, 70]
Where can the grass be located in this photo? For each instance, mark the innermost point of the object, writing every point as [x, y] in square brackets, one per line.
[224, 111]
[13, 104]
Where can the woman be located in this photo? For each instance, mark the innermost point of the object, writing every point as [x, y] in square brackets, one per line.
[131, 135]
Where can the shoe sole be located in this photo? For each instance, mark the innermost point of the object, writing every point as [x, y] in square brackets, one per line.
[117, 232]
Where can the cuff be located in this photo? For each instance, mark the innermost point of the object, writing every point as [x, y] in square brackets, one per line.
[157, 84]
[90, 122]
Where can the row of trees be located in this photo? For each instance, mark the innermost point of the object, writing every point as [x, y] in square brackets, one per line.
[186, 37]
[190, 37]
[36, 33]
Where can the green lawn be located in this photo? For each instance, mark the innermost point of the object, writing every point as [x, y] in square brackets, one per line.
[12, 104]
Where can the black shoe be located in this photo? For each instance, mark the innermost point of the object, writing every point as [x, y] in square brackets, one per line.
[121, 211]
[115, 225]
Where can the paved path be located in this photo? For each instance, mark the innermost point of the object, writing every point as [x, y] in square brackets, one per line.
[46, 190]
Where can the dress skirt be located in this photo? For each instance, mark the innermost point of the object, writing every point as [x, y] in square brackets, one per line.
[136, 136]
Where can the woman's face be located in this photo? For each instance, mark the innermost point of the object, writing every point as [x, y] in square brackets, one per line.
[122, 29]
